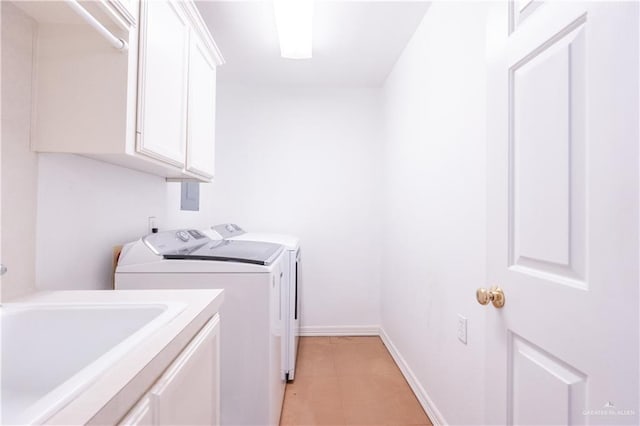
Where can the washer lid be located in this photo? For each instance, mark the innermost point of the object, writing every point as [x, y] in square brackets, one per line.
[289, 241]
[259, 253]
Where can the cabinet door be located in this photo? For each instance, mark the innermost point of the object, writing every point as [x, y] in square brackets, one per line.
[130, 6]
[202, 109]
[162, 98]
[188, 392]
[140, 415]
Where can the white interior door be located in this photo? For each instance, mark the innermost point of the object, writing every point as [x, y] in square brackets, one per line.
[563, 213]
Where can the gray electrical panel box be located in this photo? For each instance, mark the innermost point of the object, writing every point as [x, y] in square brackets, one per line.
[190, 196]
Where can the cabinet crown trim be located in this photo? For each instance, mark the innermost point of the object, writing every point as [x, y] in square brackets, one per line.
[203, 31]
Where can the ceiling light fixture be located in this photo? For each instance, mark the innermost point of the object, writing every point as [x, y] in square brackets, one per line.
[294, 19]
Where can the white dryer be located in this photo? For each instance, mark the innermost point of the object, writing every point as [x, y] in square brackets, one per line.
[291, 288]
[251, 274]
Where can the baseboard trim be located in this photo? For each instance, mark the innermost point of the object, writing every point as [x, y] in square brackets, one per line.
[341, 330]
[426, 402]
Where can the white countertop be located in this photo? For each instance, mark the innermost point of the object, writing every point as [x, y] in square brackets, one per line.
[112, 394]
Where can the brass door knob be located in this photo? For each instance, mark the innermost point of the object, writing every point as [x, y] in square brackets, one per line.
[494, 295]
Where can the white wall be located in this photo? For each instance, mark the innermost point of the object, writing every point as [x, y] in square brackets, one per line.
[85, 208]
[19, 164]
[307, 163]
[434, 247]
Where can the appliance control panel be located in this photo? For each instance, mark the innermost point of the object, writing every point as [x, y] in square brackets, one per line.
[178, 241]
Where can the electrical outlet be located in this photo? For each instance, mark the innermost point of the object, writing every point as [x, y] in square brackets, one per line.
[153, 225]
[462, 329]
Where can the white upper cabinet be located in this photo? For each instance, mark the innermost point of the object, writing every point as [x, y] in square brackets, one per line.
[84, 89]
[162, 85]
[202, 109]
[150, 107]
[126, 7]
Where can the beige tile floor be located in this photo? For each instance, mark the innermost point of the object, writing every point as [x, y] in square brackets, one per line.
[349, 381]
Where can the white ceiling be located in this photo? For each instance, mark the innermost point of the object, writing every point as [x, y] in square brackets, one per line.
[355, 43]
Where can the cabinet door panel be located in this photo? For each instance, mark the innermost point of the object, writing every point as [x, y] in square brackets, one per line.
[162, 100]
[140, 415]
[202, 109]
[188, 392]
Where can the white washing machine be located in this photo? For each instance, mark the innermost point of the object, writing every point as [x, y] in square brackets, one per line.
[291, 289]
[251, 318]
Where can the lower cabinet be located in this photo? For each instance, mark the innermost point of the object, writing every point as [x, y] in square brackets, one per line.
[188, 392]
[141, 414]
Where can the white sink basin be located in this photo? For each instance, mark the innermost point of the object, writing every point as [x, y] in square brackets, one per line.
[51, 352]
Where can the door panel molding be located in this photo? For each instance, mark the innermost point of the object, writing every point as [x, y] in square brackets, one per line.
[547, 181]
[519, 11]
[542, 388]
